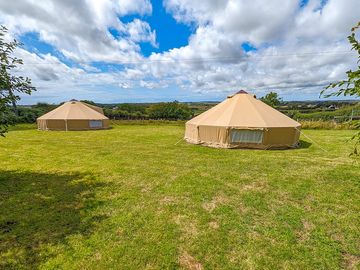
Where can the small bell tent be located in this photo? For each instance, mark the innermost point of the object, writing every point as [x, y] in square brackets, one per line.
[242, 121]
[74, 115]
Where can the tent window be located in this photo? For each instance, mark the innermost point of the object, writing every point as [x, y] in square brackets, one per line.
[246, 136]
[95, 124]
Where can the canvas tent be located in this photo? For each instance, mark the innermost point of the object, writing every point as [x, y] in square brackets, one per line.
[242, 121]
[74, 115]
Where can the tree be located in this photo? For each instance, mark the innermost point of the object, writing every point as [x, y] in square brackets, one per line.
[169, 110]
[351, 85]
[132, 108]
[10, 85]
[272, 99]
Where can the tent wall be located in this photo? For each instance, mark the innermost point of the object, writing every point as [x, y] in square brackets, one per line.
[191, 133]
[273, 138]
[41, 124]
[69, 124]
[78, 124]
[282, 137]
[51, 124]
[209, 135]
[216, 136]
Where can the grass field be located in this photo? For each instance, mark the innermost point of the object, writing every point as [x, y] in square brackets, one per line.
[129, 198]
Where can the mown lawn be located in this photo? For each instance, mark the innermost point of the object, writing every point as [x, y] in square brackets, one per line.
[129, 198]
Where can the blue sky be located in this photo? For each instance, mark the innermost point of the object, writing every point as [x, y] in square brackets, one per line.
[169, 33]
[187, 50]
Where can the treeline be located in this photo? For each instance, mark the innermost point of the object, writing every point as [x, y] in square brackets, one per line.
[27, 114]
[165, 110]
[181, 111]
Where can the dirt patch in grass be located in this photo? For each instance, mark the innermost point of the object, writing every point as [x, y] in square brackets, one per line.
[209, 206]
[350, 261]
[187, 225]
[218, 200]
[187, 261]
[167, 200]
[214, 225]
[304, 234]
[254, 186]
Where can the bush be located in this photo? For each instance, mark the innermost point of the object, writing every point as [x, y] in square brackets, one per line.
[26, 114]
[127, 111]
[169, 110]
[132, 108]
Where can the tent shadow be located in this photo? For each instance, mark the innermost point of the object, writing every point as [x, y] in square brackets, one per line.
[304, 144]
[42, 209]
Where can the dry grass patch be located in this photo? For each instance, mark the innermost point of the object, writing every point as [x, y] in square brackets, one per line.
[351, 262]
[209, 206]
[188, 227]
[187, 261]
[254, 186]
[304, 234]
[214, 225]
[167, 200]
[218, 200]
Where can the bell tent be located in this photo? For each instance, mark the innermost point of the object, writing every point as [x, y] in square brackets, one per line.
[242, 121]
[74, 115]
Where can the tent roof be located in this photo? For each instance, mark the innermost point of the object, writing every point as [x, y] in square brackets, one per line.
[75, 110]
[96, 108]
[243, 110]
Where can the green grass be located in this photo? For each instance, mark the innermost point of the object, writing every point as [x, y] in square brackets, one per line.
[129, 198]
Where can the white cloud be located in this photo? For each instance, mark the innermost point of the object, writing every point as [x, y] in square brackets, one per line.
[253, 20]
[79, 29]
[140, 31]
[299, 49]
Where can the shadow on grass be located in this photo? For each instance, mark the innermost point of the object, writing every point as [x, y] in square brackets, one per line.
[40, 209]
[304, 144]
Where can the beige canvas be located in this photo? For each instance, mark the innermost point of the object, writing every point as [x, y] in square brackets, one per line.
[242, 121]
[74, 115]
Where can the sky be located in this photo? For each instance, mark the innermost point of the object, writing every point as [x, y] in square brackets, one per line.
[112, 51]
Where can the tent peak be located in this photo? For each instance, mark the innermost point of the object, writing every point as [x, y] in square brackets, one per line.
[241, 92]
[73, 101]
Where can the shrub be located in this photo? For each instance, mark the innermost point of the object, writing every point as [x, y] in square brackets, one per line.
[169, 110]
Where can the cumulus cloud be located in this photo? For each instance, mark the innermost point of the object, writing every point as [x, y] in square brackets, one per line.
[255, 21]
[297, 48]
[80, 29]
[140, 31]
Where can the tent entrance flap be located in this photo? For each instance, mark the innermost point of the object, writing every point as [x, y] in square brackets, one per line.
[246, 136]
